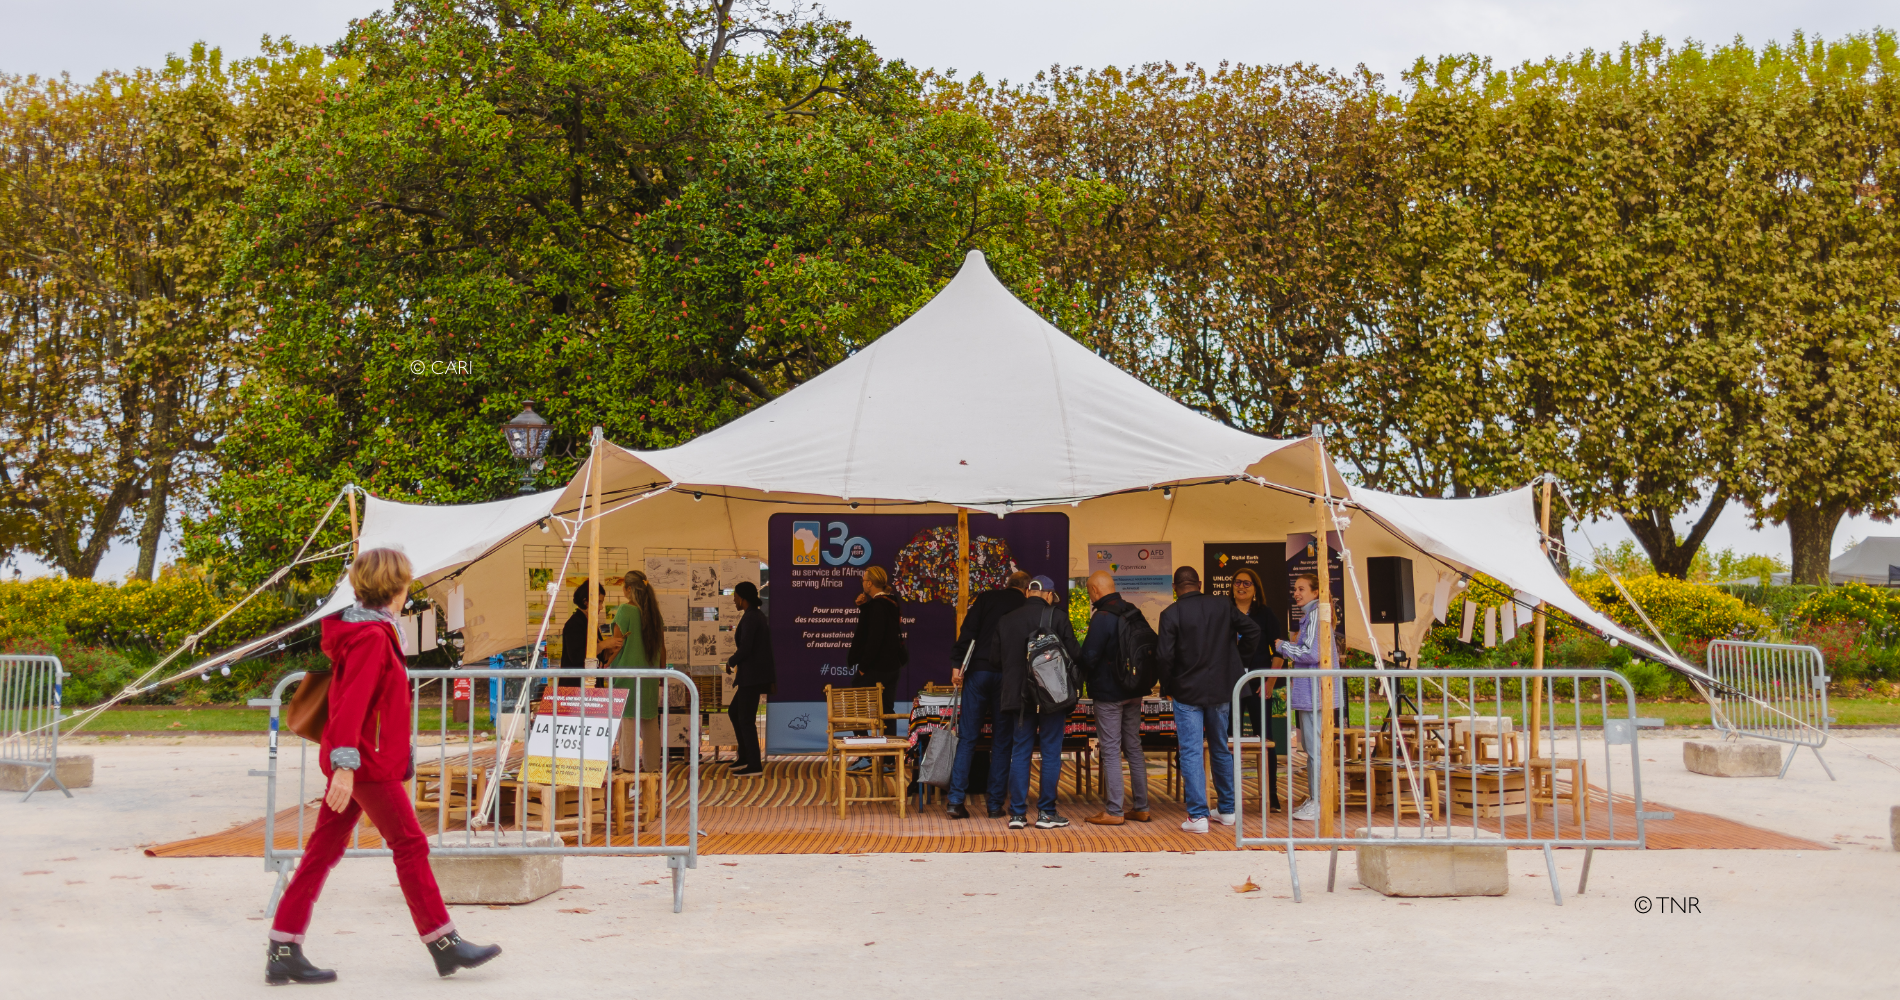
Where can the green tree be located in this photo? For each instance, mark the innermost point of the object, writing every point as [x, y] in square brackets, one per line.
[599, 207]
[118, 335]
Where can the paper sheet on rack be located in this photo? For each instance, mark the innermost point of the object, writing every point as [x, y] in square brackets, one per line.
[706, 584]
[732, 571]
[667, 572]
[1508, 619]
[1441, 598]
[676, 651]
[457, 607]
[672, 609]
[1471, 619]
[428, 630]
[703, 644]
[1490, 627]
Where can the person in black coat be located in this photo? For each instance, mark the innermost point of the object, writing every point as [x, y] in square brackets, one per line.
[1249, 596]
[752, 674]
[1204, 641]
[877, 648]
[982, 684]
[1036, 728]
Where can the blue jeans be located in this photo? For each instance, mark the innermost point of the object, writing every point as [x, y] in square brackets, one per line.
[1193, 725]
[980, 691]
[1036, 730]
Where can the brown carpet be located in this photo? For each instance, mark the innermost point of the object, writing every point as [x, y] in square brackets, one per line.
[781, 813]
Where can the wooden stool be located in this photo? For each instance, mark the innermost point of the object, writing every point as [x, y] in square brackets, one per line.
[562, 807]
[624, 783]
[1544, 786]
[447, 787]
[895, 750]
[1395, 789]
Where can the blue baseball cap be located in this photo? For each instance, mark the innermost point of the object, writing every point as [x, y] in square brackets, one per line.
[1042, 583]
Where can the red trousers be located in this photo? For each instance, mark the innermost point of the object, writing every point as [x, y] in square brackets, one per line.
[388, 806]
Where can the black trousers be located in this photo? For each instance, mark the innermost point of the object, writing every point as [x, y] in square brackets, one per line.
[864, 680]
[744, 714]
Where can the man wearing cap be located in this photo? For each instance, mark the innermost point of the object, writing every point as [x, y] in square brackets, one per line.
[1037, 728]
[1202, 643]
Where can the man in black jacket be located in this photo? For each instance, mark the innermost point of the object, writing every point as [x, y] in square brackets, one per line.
[1117, 710]
[1036, 728]
[982, 683]
[1203, 641]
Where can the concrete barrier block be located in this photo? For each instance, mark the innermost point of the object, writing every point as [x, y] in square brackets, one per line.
[1733, 759]
[74, 770]
[1429, 869]
[500, 878]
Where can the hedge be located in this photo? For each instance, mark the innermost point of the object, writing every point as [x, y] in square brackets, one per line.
[1691, 612]
[154, 615]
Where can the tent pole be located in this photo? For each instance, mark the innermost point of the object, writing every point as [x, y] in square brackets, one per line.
[1537, 654]
[593, 561]
[351, 493]
[963, 566]
[1328, 782]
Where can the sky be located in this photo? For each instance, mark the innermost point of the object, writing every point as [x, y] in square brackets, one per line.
[1013, 39]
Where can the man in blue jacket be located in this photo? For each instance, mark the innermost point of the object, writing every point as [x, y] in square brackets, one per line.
[1117, 710]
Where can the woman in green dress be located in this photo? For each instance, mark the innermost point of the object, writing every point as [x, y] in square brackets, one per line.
[638, 624]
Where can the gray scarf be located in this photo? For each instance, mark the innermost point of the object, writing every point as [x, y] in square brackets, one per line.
[359, 613]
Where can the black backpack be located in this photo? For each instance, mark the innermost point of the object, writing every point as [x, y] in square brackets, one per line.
[1053, 678]
[1136, 665]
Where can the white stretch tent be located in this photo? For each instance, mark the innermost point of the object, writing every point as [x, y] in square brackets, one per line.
[975, 402]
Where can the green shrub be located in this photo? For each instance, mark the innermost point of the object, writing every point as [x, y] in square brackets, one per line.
[1682, 610]
[1875, 609]
[159, 615]
[92, 674]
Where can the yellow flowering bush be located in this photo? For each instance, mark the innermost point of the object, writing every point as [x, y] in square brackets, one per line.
[1682, 610]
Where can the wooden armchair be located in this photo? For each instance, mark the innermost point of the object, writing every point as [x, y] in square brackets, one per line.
[853, 710]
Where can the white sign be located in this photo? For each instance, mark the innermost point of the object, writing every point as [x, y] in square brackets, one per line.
[571, 741]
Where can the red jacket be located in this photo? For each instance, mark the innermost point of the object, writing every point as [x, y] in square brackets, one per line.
[369, 698]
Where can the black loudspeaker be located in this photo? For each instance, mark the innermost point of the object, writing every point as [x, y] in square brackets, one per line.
[1389, 590]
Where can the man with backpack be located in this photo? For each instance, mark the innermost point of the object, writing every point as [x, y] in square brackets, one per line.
[1202, 644]
[1035, 647]
[1119, 656]
[981, 685]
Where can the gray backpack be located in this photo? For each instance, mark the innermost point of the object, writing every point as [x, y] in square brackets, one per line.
[1052, 675]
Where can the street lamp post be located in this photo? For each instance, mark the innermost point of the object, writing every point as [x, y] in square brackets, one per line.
[528, 436]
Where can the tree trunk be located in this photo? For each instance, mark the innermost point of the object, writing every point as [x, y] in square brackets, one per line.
[1657, 535]
[1811, 535]
[154, 527]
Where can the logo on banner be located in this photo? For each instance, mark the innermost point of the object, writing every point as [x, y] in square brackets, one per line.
[805, 543]
[853, 550]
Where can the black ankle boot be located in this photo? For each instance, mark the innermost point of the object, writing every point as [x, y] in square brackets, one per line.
[284, 963]
[451, 953]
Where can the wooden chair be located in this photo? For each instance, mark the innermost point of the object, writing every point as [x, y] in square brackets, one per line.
[894, 750]
[853, 710]
[1543, 791]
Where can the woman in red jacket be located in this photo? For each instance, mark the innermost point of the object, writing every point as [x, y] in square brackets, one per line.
[366, 755]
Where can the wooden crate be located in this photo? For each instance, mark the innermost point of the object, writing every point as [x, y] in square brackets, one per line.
[1487, 793]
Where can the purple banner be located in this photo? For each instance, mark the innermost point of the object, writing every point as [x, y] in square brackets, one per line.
[818, 562]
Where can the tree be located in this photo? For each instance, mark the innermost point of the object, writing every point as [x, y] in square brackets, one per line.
[1828, 298]
[119, 334]
[1215, 231]
[589, 206]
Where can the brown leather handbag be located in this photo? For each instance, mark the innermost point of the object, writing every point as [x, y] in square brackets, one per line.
[309, 708]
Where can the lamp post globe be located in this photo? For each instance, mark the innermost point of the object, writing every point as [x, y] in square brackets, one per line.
[528, 436]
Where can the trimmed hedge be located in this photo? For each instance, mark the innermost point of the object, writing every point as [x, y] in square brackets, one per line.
[157, 615]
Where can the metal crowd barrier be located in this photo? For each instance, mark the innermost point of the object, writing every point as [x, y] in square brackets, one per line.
[1443, 758]
[457, 777]
[1771, 692]
[29, 717]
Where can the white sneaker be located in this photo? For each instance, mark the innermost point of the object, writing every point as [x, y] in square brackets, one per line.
[1308, 812]
[1195, 825]
[1226, 819]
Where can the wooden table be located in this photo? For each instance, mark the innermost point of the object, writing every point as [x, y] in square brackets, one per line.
[895, 750]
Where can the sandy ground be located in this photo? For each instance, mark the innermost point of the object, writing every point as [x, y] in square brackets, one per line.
[83, 912]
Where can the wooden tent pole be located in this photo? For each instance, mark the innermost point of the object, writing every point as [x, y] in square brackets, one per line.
[1328, 780]
[351, 493]
[1537, 655]
[594, 608]
[963, 567]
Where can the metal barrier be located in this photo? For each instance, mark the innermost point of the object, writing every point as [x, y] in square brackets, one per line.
[472, 782]
[1463, 772]
[29, 717]
[1771, 692]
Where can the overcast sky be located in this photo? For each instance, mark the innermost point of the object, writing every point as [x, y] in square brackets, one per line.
[1014, 39]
